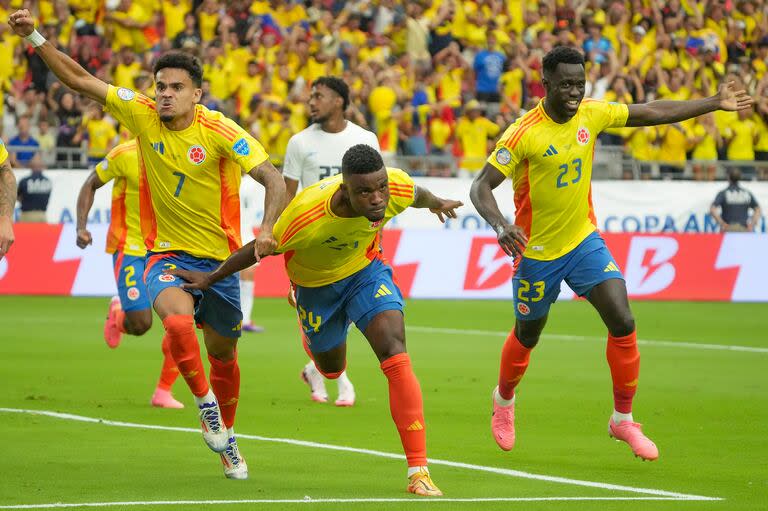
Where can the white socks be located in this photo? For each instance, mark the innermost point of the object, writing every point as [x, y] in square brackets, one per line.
[210, 397]
[500, 400]
[246, 299]
[343, 380]
[618, 417]
[413, 470]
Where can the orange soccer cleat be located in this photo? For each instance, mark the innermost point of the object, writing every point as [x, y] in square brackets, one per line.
[112, 333]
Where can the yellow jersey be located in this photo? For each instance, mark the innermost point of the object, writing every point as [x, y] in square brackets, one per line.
[189, 180]
[122, 166]
[100, 134]
[3, 152]
[473, 136]
[321, 248]
[550, 165]
[742, 134]
[706, 149]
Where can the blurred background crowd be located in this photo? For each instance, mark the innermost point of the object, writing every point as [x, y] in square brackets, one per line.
[436, 81]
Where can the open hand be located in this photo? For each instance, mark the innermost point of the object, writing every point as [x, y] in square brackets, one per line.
[22, 23]
[195, 279]
[512, 239]
[733, 100]
[447, 208]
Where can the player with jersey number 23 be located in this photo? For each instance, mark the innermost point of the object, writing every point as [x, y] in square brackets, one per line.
[548, 155]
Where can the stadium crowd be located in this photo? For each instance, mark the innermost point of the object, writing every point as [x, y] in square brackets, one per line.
[429, 78]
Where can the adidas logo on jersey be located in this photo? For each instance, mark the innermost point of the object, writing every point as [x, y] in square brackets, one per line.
[611, 267]
[383, 291]
[550, 152]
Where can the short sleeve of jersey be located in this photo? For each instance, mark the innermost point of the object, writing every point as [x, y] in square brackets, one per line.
[373, 140]
[109, 168]
[246, 151]
[719, 199]
[3, 152]
[752, 201]
[608, 115]
[293, 160]
[508, 152]
[133, 110]
[402, 191]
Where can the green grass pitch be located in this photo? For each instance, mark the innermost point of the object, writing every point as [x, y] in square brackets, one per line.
[706, 409]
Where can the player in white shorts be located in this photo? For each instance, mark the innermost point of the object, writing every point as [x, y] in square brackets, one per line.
[314, 154]
[248, 207]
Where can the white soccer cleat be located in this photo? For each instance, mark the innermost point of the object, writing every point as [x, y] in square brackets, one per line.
[234, 464]
[214, 432]
[316, 382]
[346, 392]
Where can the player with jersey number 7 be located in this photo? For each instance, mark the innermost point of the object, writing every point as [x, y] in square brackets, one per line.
[190, 159]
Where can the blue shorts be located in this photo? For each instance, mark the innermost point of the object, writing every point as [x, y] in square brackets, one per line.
[326, 312]
[129, 277]
[536, 284]
[218, 306]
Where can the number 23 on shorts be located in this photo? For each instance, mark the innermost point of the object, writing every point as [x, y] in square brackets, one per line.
[526, 294]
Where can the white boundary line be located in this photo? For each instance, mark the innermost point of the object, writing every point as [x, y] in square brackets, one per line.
[560, 337]
[380, 454]
[309, 500]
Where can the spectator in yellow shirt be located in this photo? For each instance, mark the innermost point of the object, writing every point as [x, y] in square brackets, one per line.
[173, 14]
[126, 70]
[742, 135]
[705, 139]
[100, 133]
[473, 131]
[673, 143]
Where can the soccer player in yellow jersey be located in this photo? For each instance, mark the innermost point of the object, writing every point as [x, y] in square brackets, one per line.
[329, 235]
[131, 311]
[190, 160]
[548, 155]
[7, 201]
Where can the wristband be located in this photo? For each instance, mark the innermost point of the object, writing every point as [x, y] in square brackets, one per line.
[35, 39]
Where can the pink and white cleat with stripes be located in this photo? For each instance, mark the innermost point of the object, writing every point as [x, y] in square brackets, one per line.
[629, 432]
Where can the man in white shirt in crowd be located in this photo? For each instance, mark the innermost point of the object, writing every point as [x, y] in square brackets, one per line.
[314, 154]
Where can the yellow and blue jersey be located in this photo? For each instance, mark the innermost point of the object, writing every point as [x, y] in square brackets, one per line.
[550, 165]
[321, 248]
[122, 166]
[189, 180]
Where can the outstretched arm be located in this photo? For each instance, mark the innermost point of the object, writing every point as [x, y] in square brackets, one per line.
[67, 70]
[7, 203]
[239, 260]
[666, 112]
[274, 203]
[511, 237]
[84, 204]
[423, 198]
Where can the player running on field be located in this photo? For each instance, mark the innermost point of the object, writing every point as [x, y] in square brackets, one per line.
[7, 201]
[329, 234]
[548, 155]
[189, 177]
[131, 311]
[314, 154]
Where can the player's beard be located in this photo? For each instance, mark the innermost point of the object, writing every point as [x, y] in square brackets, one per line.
[320, 119]
[167, 117]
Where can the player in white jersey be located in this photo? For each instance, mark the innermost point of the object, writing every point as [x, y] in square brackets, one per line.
[248, 207]
[314, 154]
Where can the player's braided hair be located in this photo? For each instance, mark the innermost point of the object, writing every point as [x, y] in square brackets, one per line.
[361, 159]
[561, 55]
[337, 85]
[182, 60]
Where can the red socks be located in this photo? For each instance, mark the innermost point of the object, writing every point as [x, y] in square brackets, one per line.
[182, 340]
[169, 372]
[407, 408]
[514, 362]
[225, 380]
[624, 361]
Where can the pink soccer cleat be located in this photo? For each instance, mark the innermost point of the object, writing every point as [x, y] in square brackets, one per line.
[503, 423]
[164, 399]
[629, 432]
[112, 333]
